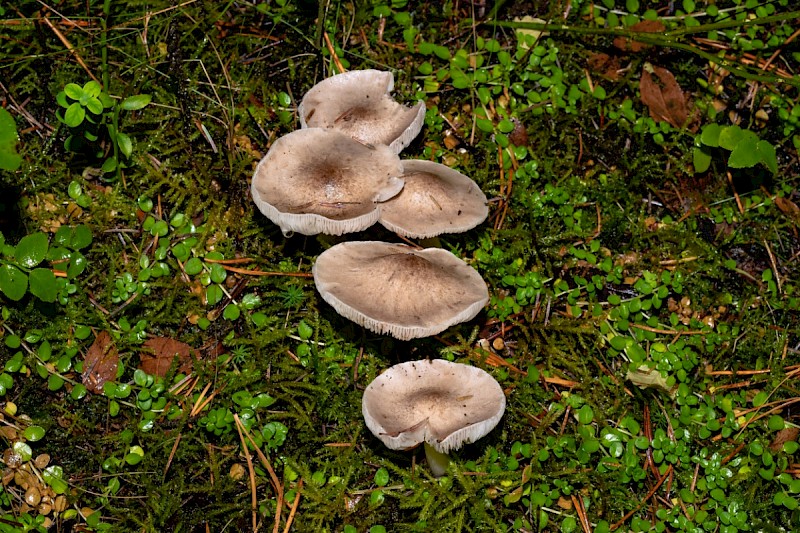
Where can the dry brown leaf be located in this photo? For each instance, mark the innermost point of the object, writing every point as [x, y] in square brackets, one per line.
[605, 65]
[564, 503]
[159, 352]
[783, 436]
[788, 208]
[663, 96]
[646, 26]
[101, 363]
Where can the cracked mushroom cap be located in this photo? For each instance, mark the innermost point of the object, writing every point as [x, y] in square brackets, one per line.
[442, 403]
[321, 181]
[397, 289]
[359, 104]
[435, 199]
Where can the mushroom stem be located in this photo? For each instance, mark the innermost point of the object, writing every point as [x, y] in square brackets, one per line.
[437, 461]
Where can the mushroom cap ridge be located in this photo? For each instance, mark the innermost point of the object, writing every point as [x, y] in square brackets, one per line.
[397, 289]
[442, 403]
[322, 181]
[358, 103]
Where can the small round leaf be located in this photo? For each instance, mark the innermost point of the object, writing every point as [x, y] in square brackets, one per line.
[34, 433]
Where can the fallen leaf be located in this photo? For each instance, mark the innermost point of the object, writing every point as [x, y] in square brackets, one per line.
[646, 26]
[663, 96]
[606, 66]
[522, 33]
[159, 352]
[788, 208]
[101, 363]
[645, 377]
[783, 436]
[564, 503]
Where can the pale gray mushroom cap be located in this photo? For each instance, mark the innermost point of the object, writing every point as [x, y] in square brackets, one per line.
[442, 403]
[435, 199]
[396, 289]
[359, 104]
[322, 181]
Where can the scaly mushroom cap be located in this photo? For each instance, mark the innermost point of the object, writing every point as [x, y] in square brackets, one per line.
[399, 290]
[435, 199]
[358, 103]
[322, 181]
[442, 403]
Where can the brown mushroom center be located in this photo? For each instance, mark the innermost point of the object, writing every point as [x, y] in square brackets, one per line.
[436, 410]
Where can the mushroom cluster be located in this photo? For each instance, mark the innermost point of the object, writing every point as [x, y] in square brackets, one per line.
[341, 173]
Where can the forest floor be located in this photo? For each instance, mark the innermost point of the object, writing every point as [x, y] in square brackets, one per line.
[167, 364]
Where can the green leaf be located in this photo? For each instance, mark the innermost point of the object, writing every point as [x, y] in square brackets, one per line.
[231, 312]
[110, 164]
[760, 399]
[81, 237]
[585, 415]
[442, 52]
[55, 382]
[92, 88]
[730, 136]
[140, 377]
[745, 154]
[31, 250]
[124, 143]
[214, 294]
[54, 476]
[34, 433]
[13, 282]
[77, 264]
[61, 99]
[505, 126]
[137, 101]
[94, 105]
[73, 190]
[718, 494]
[73, 90]
[79, 391]
[43, 284]
[9, 159]
[218, 273]
[485, 125]
[710, 135]
[775, 423]
[193, 266]
[701, 159]
[382, 477]
[425, 48]
[74, 115]
[23, 450]
[768, 157]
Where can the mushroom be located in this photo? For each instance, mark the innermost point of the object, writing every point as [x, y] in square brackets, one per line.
[441, 404]
[397, 289]
[435, 199]
[359, 104]
[322, 181]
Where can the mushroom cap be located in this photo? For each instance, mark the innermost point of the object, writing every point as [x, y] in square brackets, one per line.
[358, 103]
[435, 199]
[322, 181]
[442, 403]
[399, 290]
